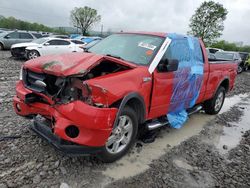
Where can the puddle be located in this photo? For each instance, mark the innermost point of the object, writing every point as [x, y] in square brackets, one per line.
[136, 163]
[232, 135]
[231, 101]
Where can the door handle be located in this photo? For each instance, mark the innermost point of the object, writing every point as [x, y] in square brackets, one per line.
[147, 79]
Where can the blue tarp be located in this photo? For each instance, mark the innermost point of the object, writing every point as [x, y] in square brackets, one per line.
[187, 79]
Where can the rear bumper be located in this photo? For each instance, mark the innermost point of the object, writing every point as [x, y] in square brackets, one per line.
[69, 148]
[94, 124]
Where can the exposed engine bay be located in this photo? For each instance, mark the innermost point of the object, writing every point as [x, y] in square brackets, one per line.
[64, 90]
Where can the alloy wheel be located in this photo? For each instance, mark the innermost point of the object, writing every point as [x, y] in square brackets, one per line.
[121, 135]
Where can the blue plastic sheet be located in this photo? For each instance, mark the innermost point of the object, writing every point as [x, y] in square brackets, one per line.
[187, 79]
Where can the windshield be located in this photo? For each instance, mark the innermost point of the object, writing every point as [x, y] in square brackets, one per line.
[39, 41]
[136, 48]
[224, 55]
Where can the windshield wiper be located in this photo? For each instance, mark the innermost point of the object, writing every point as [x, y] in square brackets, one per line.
[114, 56]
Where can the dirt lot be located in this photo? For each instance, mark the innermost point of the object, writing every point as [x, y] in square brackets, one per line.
[209, 151]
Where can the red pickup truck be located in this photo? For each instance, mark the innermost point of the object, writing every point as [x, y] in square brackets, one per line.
[96, 102]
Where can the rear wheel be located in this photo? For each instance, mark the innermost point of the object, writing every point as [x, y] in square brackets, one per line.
[33, 54]
[122, 137]
[214, 105]
[240, 69]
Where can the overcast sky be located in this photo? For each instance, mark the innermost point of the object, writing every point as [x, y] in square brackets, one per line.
[132, 15]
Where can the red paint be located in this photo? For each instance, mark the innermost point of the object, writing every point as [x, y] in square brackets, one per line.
[95, 124]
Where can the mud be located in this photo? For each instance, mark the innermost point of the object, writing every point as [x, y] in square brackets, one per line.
[209, 151]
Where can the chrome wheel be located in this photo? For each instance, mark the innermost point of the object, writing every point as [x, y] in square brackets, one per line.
[120, 136]
[33, 55]
[219, 101]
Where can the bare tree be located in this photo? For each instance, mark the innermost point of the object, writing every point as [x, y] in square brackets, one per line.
[84, 18]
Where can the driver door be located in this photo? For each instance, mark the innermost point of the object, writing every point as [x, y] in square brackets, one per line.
[162, 88]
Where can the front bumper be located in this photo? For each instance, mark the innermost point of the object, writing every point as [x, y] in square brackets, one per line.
[69, 148]
[17, 52]
[94, 124]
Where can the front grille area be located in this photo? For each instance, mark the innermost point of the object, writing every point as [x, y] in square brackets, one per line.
[40, 82]
[18, 51]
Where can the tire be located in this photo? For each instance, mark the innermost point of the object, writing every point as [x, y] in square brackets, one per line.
[240, 69]
[214, 105]
[112, 153]
[1, 47]
[32, 54]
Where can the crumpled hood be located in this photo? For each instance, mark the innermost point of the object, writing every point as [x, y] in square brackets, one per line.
[25, 44]
[69, 64]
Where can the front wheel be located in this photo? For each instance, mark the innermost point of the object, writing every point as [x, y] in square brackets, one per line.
[33, 54]
[214, 105]
[122, 137]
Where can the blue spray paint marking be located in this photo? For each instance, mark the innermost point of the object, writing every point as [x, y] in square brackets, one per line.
[187, 79]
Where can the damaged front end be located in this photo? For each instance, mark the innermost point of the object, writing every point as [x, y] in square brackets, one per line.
[72, 109]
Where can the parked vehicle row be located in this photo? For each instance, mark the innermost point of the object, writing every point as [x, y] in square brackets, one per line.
[24, 44]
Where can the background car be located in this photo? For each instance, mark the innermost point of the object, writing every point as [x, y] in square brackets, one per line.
[37, 35]
[92, 43]
[51, 46]
[214, 50]
[245, 56]
[90, 39]
[79, 43]
[18, 50]
[13, 37]
[230, 56]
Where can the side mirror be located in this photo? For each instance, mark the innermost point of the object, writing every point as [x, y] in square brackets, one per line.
[173, 65]
[7, 37]
[168, 65]
[46, 44]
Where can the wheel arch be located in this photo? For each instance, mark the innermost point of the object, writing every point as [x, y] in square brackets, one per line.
[136, 102]
[1, 43]
[30, 50]
[225, 84]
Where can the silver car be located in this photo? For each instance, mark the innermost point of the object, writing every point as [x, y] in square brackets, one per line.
[13, 37]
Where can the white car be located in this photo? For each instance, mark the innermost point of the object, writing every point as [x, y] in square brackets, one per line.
[48, 46]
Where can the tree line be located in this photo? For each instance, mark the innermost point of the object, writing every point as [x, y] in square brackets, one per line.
[228, 46]
[13, 23]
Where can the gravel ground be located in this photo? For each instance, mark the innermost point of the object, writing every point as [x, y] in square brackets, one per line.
[28, 161]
